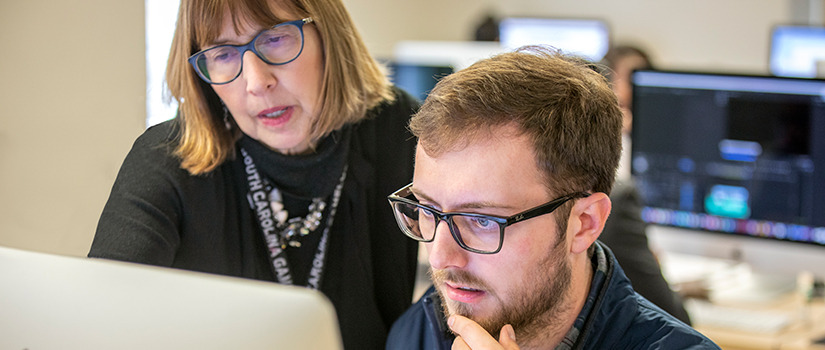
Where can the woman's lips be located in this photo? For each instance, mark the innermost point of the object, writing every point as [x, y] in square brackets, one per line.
[275, 116]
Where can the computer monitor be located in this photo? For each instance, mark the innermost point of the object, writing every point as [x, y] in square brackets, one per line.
[416, 66]
[584, 37]
[417, 79]
[797, 51]
[59, 302]
[733, 166]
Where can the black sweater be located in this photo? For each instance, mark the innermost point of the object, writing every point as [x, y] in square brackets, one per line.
[159, 214]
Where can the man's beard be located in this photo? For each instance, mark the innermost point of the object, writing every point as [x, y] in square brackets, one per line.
[535, 306]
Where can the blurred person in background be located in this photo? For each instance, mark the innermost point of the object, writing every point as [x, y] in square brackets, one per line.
[625, 232]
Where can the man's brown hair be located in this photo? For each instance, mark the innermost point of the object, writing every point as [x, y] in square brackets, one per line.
[565, 106]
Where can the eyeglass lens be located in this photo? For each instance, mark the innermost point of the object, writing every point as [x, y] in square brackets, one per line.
[474, 231]
[277, 45]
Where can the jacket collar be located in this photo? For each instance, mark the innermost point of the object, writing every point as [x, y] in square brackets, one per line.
[437, 320]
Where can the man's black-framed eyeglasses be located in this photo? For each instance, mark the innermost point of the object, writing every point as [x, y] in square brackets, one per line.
[478, 233]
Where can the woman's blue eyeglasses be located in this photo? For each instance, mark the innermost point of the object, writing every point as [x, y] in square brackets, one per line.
[278, 45]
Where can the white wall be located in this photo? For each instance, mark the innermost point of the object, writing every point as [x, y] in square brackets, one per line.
[699, 34]
[71, 103]
[72, 99]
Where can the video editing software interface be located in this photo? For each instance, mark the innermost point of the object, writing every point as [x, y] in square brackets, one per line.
[731, 153]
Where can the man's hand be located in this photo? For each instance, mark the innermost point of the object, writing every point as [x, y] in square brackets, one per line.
[470, 335]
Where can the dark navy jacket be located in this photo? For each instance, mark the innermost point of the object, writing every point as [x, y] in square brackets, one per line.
[614, 317]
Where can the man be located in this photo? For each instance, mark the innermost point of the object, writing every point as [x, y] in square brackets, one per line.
[502, 145]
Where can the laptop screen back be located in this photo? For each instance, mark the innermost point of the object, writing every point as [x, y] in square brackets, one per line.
[59, 302]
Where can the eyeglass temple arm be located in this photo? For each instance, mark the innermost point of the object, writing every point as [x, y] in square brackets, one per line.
[544, 209]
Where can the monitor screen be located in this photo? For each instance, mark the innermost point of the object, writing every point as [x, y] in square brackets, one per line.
[798, 51]
[416, 66]
[585, 37]
[416, 79]
[734, 154]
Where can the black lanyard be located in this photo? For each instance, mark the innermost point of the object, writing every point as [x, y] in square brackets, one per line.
[275, 241]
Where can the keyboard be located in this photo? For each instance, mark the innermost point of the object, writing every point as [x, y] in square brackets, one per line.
[706, 314]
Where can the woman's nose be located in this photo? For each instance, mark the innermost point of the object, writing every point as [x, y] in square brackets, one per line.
[259, 75]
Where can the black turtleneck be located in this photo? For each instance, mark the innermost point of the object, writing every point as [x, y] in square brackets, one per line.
[305, 176]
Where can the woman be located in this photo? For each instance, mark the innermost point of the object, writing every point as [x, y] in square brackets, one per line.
[288, 139]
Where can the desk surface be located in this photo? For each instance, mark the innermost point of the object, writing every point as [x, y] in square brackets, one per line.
[801, 334]
[730, 285]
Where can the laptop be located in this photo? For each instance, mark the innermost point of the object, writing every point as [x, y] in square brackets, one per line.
[60, 302]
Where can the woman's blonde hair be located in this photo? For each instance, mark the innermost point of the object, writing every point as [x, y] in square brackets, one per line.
[353, 82]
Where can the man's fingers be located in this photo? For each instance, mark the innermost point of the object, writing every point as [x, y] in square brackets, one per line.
[507, 337]
[460, 344]
[471, 334]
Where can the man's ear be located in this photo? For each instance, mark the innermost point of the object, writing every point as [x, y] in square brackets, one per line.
[587, 220]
